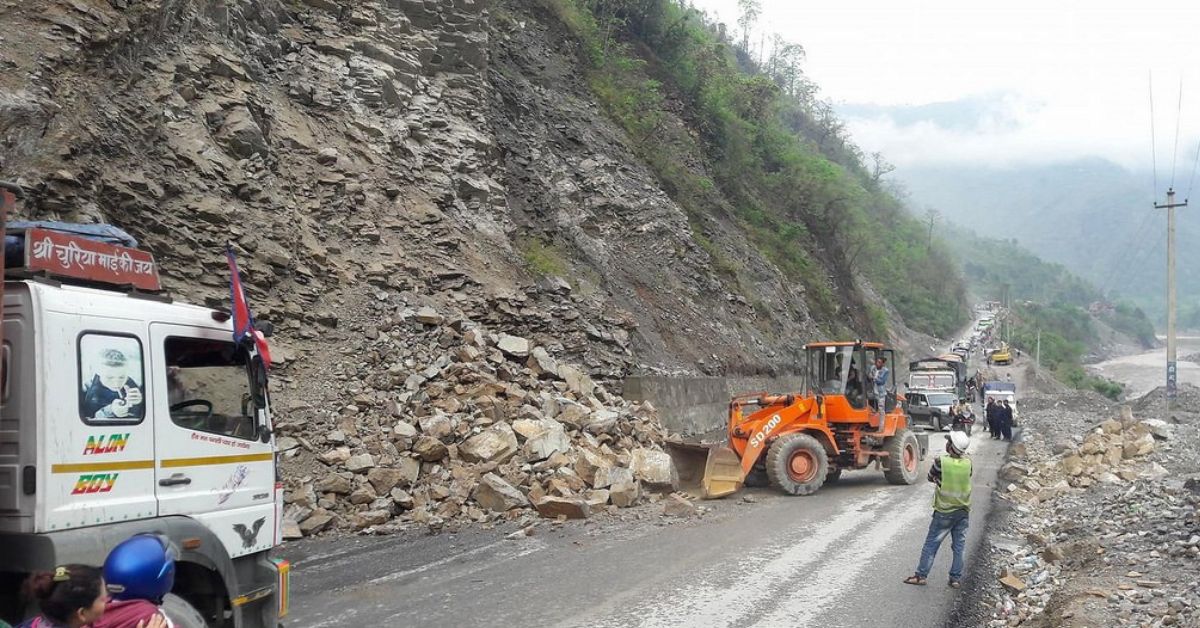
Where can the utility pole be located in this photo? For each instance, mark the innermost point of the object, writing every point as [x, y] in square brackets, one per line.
[1037, 360]
[1170, 206]
[932, 214]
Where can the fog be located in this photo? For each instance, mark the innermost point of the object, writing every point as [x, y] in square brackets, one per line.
[1014, 82]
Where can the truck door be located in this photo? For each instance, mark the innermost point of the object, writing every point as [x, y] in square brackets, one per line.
[214, 458]
[97, 437]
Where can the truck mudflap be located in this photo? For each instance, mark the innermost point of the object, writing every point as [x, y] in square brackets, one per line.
[283, 596]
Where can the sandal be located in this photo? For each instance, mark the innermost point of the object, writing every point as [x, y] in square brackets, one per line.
[955, 584]
[915, 579]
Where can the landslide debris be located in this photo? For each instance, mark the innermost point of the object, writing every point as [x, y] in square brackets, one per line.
[1105, 524]
[461, 256]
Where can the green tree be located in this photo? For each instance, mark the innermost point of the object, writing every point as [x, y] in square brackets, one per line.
[748, 14]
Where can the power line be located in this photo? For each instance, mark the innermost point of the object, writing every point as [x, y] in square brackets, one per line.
[1178, 118]
[1153, 150]
[1193, 179]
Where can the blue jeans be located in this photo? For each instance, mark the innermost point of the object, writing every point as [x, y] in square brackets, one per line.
[954, 524]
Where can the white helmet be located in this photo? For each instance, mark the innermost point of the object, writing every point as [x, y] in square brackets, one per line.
[959, 441]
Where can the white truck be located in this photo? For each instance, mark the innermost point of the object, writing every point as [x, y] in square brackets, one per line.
[123, 412]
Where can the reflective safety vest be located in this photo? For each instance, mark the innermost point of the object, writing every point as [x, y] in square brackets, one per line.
[954, 493]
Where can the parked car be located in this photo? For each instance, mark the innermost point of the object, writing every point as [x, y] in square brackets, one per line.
[929, 408]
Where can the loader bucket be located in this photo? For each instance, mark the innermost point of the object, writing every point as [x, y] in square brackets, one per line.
[707, 471]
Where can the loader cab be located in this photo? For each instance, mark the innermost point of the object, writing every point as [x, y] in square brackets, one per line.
[844, 369]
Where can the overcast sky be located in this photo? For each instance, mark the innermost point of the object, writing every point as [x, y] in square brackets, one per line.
[1057, 79]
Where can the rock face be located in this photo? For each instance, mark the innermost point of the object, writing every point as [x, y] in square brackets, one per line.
[431, 207]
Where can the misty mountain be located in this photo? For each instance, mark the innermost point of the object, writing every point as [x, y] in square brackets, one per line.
[1091, 215]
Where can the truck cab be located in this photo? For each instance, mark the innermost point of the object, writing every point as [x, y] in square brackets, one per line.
[126, 412]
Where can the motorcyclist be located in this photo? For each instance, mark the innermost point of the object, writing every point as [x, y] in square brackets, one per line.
[963, 418]
[138, 573]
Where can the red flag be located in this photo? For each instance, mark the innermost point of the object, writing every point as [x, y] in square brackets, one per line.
[243, 320]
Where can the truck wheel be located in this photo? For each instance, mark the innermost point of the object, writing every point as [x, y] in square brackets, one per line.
[904, 458]
[182, 613]
[797, 464]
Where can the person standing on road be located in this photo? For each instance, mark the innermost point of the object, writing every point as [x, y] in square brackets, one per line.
[1006, 420]
[990, 415]
[879, 377]
[951, 507]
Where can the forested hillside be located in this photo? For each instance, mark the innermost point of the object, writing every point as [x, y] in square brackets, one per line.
[1090, 215]
[1052, 308]
[741, 136]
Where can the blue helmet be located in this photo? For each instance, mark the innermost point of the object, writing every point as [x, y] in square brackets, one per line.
[141, 567]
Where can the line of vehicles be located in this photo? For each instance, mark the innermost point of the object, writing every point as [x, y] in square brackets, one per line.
[937, 384]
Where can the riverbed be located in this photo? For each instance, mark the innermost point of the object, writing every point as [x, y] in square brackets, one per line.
[1143, 372]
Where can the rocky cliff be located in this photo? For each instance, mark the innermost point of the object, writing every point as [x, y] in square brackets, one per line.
[394, 174]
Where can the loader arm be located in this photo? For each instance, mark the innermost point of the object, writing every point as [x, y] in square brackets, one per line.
[750, 433]
[711, 471]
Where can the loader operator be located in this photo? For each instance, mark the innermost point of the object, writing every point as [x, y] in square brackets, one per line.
[951, 507]
[879, 377]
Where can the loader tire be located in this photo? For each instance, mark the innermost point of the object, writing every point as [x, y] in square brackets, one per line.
[797, 464]
[904, 458]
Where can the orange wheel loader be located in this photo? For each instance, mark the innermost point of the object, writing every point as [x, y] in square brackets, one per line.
[799, 441]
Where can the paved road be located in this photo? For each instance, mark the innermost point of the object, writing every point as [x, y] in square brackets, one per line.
[836, 558]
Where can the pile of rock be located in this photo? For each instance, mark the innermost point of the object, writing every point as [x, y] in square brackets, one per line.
[470, 426]
[1102, 532]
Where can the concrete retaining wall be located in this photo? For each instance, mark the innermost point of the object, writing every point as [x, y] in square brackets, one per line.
[695, 405]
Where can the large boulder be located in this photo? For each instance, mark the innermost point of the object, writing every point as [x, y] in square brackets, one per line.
[625, 493]
[360, 463]
[1139, 446]
[496, 495]
[589, 463]
[403, 473]
[552, 507]
[429, 449]
[1072, 465]
[317, 521]
[550, 439]
[334, 483]
[678, 506]
[513, 346]
[495, 444]
[654, 469]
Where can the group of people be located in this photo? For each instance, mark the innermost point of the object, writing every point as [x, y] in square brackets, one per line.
[125, 593]
[999, 419]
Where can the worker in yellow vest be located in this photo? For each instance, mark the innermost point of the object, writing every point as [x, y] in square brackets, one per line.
[951, 506]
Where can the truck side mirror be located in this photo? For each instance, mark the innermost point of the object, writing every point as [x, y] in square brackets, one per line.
[258, 390]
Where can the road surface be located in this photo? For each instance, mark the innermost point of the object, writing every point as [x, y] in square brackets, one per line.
[832, 559]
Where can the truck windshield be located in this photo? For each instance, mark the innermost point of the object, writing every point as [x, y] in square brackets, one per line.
[208, 387]
[941, 399]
